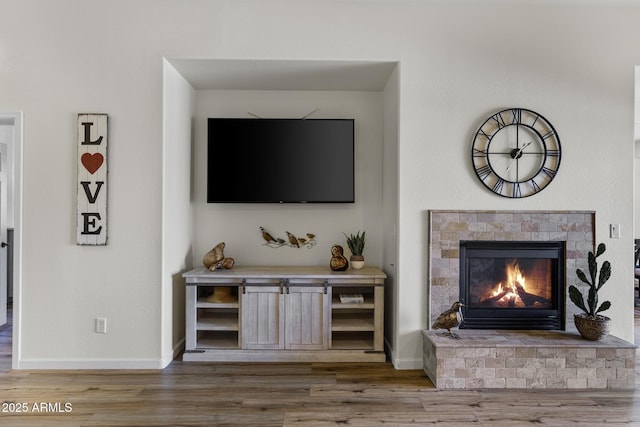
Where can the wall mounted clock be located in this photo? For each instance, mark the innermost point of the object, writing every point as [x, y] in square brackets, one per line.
[516, 153]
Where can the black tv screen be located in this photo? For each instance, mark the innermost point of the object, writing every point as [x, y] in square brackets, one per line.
[280, 160]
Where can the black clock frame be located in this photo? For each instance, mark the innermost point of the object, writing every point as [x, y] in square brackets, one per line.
[547, 138]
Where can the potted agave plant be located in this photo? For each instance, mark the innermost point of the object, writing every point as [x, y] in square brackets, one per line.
[590, 324]
[356, 246]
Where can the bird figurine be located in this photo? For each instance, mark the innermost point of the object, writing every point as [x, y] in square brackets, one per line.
[292, 239]
[266, 236]
[450, 319]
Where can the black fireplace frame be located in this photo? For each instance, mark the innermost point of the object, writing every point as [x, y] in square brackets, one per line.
[512, 318]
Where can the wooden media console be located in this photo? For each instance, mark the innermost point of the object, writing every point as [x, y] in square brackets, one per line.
[276, 314]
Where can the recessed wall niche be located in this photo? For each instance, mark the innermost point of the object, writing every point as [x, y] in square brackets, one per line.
[289, 89]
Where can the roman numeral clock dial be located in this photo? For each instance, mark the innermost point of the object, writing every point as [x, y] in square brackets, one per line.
[516, 153]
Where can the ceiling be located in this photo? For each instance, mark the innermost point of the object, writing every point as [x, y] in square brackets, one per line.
[223, 74]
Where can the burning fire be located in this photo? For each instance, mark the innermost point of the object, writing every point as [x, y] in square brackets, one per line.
[515, 284]
[513, 293]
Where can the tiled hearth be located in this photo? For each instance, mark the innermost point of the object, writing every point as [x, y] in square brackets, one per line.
[517, 359]
[527, 359]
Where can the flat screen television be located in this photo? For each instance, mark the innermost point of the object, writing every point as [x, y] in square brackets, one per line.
[280, 160]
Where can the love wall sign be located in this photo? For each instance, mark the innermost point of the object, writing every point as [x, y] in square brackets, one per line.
[92, 179]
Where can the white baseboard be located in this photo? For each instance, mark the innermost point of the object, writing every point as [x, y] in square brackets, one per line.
[177, 349]
[407, 363]
[74, 364]
[401, 364]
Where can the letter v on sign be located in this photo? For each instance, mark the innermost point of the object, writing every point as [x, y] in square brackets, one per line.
[92, 179]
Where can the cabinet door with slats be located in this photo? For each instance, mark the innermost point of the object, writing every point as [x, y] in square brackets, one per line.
[306, 325]
[262, 318]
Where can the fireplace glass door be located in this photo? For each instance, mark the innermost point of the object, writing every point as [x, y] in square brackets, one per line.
[512, 284]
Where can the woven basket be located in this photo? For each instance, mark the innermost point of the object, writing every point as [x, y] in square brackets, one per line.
[593, 329]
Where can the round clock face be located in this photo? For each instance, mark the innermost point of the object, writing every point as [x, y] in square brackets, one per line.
[516, 153]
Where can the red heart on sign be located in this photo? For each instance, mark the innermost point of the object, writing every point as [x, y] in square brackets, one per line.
[92, 162]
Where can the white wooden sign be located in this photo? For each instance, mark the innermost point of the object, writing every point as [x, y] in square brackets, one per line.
[92, 179]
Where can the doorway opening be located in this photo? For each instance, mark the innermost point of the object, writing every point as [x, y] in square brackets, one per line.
[11, 134]
[636, 204]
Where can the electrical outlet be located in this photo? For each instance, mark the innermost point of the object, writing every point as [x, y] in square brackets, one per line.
[614, 231]
[101, 325]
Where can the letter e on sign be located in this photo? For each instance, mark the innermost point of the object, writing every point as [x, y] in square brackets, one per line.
[92, 179]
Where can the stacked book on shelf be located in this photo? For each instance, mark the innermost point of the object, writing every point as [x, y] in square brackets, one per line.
[351, 298]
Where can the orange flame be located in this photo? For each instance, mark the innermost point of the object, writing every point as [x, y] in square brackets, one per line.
[514, 275]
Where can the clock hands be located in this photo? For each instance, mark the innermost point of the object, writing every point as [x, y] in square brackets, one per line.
[515, 154]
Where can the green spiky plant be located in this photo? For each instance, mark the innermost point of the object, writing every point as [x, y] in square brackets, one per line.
[591, 308]
[356, 243]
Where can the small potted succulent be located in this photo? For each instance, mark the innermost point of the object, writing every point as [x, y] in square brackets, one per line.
[356, 246]
[590, 324]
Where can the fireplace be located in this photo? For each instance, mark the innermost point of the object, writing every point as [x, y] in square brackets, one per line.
[512, 284]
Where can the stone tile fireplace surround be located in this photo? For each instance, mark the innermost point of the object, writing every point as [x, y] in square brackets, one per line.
[517, 359]
[447, 228]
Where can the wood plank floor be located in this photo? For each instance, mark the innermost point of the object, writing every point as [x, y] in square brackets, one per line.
[305, 394]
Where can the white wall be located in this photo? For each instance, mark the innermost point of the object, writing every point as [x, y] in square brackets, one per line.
[238, 224]
[390, 209]
[460, 61]
[81, 66]
[543, 57]
[177, 209]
